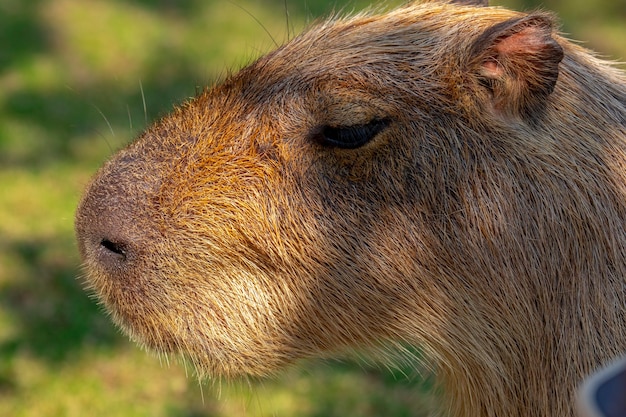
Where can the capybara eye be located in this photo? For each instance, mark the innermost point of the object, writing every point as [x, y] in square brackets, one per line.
[113, 247]
[350, 137]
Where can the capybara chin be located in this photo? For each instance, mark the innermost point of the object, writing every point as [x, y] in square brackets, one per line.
[451, 176]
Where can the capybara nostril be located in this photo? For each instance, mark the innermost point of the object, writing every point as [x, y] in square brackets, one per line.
[446, 174]
[107, 242]
[111, 235]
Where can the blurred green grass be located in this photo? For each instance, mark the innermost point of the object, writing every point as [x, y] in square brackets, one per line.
[79, 79]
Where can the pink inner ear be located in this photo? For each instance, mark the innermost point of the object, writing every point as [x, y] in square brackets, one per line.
[518, 63]
[529, 40]
[491, 68]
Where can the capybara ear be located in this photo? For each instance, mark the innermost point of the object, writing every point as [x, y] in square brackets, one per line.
[518, 62]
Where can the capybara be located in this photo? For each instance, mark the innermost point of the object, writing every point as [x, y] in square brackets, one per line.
[446, 175]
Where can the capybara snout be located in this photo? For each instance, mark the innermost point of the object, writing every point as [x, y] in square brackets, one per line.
[445, 175]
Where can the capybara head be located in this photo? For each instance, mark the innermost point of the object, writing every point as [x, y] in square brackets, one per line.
[447, 175]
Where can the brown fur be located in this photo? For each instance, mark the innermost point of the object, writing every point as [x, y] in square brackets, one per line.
[486, 223]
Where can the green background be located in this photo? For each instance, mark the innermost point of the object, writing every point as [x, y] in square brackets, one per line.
[79, 79]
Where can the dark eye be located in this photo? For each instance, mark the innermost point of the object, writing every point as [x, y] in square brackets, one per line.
[349, 137]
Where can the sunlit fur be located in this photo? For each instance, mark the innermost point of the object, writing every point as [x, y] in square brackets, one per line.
[486, 224]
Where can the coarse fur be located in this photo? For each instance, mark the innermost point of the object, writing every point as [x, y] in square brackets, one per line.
[484, 223]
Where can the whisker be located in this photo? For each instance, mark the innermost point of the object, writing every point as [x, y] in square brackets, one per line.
[105, 119]
[143, 100]
[256, 20]
[287, 20]
[130, 118]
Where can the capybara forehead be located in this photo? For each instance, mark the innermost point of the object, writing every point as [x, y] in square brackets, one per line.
[399, 56]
